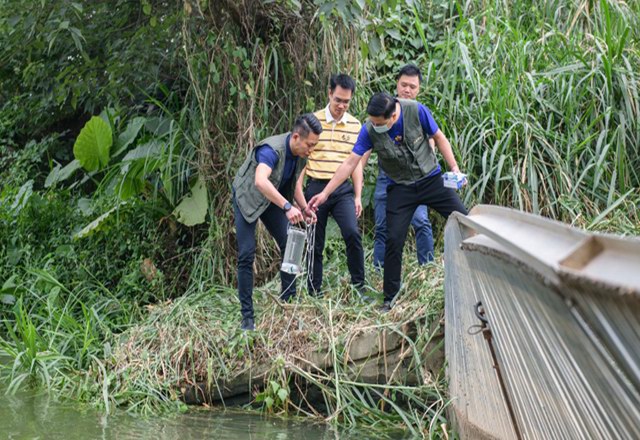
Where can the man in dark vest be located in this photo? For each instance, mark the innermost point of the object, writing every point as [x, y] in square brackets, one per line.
[262, 189]
[399, 131]
[407, 87]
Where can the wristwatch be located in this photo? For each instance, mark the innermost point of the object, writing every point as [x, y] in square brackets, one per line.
[286, 207]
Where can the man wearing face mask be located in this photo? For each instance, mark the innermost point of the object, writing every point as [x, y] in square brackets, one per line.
[407, 87]
[399, 130]
[262, 189]
[339, 133]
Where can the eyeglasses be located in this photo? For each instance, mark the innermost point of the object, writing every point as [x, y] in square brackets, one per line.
[341, 101]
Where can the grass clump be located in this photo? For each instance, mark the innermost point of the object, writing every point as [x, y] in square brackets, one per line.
[194, 340]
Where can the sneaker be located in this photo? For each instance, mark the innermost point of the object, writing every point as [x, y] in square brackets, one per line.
[247, 325]
[386, 307]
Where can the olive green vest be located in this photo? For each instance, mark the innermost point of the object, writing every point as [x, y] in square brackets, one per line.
[413, 158]
[251, 202]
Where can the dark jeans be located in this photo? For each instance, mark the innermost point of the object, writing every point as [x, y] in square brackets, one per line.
[341, 206]
[276, 223]
[402, 201]
[420, 223]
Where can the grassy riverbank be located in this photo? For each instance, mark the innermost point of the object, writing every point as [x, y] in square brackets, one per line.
[116, 274]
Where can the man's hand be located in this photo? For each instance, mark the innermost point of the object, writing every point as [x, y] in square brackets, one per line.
[457, 170]
[309, 216]
[294, 215]
[317, 200]
[358, 203]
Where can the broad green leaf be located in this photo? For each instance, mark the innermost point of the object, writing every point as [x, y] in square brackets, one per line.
[7, 299]
[129, 186]
[283, 394]
[52, 177]
[192, 210]
[150, 150]
[394, 33]
[10, 283]
[84, 205]
[269, 402]
[59, 174]
[95, 225]
[9, 291]
[93, 144]
[23, 196]
[77, 36]
[158, 126]
[374, 45]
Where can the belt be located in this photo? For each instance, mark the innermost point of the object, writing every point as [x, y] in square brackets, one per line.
[313, 179]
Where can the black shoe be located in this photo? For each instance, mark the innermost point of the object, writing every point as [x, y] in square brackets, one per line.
[386, 307]
[247, 324]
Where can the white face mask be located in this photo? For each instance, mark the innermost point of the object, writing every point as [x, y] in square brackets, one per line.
[381, 128]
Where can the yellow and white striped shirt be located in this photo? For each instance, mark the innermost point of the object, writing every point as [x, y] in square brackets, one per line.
[335, 144]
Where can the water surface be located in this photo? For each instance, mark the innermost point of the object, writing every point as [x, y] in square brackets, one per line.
[30, 415]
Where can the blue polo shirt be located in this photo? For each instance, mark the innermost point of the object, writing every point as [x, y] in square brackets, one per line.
[429, 126]
[268, 156]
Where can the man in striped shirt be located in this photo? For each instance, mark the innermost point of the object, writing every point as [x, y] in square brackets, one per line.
[339, 133]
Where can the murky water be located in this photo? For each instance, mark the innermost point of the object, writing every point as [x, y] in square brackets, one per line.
[27, 415]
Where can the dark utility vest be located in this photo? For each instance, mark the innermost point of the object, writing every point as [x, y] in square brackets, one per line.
[250, 200]
[413, 158]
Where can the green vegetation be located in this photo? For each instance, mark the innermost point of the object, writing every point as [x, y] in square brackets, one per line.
[122, 124]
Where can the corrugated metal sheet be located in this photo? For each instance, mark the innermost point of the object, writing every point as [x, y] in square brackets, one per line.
[563, 311]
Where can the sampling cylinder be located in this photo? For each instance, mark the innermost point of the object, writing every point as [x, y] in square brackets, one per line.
[292, 261]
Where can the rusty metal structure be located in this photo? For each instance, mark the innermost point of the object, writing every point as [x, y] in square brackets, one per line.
[542, 328]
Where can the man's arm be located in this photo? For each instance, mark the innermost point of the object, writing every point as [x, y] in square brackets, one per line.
[365, 159]
[343, 172]
[358, 179]
[445, 149]
[298, 195]
[264, 185]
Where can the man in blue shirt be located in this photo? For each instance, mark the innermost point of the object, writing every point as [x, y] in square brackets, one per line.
[262, 188]
[407, 87]
[399, 131]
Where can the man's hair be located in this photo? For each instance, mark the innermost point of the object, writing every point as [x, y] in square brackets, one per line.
[410, 70]
[342, 80]
[381, 104]
[307, 123]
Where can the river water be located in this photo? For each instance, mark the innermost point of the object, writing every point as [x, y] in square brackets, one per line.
[28, 415]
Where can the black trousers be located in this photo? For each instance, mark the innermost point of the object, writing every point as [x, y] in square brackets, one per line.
[276, 223]
[402, 201]
[342, 208]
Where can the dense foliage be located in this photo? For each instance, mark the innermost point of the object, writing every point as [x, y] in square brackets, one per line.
[122, 124]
